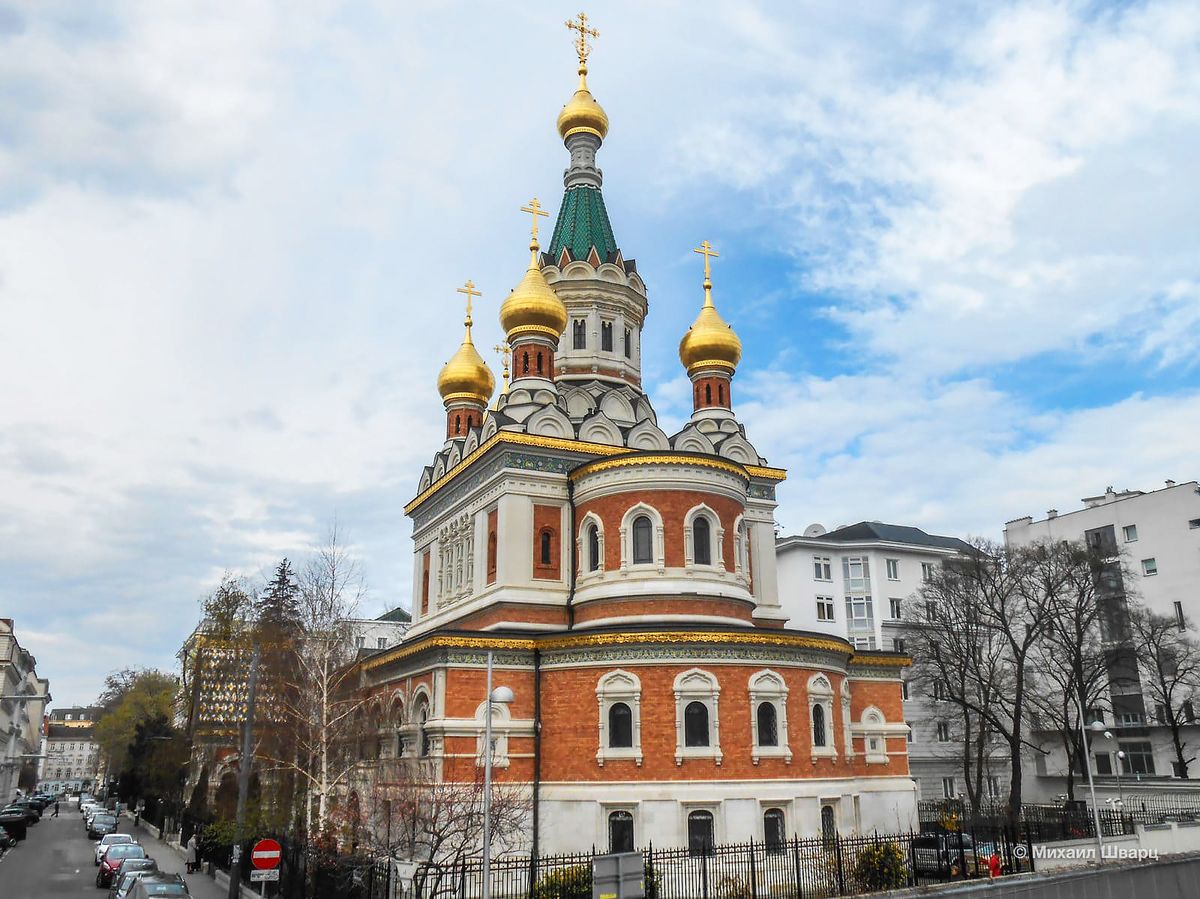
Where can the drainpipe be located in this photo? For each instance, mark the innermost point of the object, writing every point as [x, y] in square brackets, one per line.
[573, 567]
[537, 748]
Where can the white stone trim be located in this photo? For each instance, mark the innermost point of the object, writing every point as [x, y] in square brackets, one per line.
[820, 692]
[658, 550]
[875, 726]
[581, 545]
[769, 686]
[697, 685]
[619, 686]
[662, 619]
[716, 550]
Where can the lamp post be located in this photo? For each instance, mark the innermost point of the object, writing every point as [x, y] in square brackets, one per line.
[502, 695]
[1108, 735]
[1087, 766]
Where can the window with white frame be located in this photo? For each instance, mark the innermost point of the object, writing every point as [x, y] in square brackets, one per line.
[943, 732]
[591, 544]
[641, 537]
[949, 790]
[697, 726]
[939, 691]
[873, 729]
[820, 716]
[822, 568]
[1130, 533]
[895, 608]
[856, 571]
[904, 689]
[768, 716]
[501, 716]
[864, 643]
[927, 570]
[1149, 567]
[893, 569]
[860, 613]
[774, 831]
[703, 537]
[620, 831]
[824, 608]
[1180, 621]
[898, 644]
[619, 697]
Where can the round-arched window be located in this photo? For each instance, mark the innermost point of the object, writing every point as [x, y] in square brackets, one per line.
[695, 724]
[768, 724]
[620, 726]
[643, 540]
[700, 832]
[818, 721]
[593, 544]
[774, 830]
[620, 831]
[701, 541]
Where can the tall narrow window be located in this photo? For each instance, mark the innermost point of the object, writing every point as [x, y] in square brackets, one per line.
[524, 363]
[423, 741]
[768, 724]
[818, 719]
[539, 363]
[620, 832]
[606, 336]
[620, 726]
[695, 724]
[708, 393]
[701, 541]
[458, 424]
[628, 345]
[579, 334]
[700, 833]
[720, 394]
[774, 830]
[643, 545]
[593, 544]
[546, 541]
[828, 823]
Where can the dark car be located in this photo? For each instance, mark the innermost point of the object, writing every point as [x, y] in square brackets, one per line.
[27, 815]
[131, 869]
[159, 885]
[7, 840]
[112, 858]
[35, 807]
[945, 854]
[99, 825]
[14, 825]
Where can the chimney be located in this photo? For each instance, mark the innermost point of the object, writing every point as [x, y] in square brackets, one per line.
[1052, 513]
[1170, 483]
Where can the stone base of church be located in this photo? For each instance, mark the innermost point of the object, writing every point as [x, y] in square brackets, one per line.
[575, 816]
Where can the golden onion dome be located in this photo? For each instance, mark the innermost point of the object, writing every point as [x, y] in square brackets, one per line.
[582, 113]
[466, 377]
[710, 341]
[533, 307]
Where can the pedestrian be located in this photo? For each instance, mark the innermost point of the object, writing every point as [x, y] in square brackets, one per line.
[55, 808]
[994, 866]
[193, 855]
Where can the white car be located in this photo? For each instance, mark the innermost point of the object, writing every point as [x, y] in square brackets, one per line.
[108, 840]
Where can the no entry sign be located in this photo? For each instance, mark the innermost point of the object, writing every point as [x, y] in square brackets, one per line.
[266, 854]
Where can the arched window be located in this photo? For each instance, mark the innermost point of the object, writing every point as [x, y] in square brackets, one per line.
[643, 540]
[539, 363]
[818, 723]
[606, 335]
[578, 334]
[768, 724]
[458, 424]
[701, 541]
[593, 543]
[695, 724]
[628, 345]
[708, 393]
[721, 394]
[525, 363]
[774, 830]
[828, 823]
[700, 833]
[620, 726]
[547, 545]
[424, 744]
[620, 832]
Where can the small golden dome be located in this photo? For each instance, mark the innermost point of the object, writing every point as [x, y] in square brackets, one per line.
[710, 341]
[466, 377]
[582, 113]
[533, 307]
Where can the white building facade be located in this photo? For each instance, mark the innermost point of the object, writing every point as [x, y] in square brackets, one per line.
[72, 756]
[20, 713]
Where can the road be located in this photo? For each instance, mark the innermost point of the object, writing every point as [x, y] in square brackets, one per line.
[57, 859]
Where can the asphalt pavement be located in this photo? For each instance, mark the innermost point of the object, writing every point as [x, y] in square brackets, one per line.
[57, 859]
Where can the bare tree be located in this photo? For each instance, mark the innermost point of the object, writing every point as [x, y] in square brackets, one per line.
[1169, 656]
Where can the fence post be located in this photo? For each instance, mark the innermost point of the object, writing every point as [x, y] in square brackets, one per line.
[841, 874]
[704, 869]
[753, 871]
[651, 890]
[1029, 847]
[962, 856]
[796, 860]
[533, 860]
[912, 860]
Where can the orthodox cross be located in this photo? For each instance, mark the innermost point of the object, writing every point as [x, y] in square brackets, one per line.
[505, 351]
[705, 249]
[582, 47]
[470, 291]
[535, 209]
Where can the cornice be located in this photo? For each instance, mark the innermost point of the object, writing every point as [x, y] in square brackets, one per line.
[643, 458]
[767, 473]
[883, 661]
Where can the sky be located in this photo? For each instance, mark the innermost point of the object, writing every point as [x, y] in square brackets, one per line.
[959, 243]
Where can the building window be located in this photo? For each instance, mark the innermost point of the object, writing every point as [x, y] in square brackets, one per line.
[893, 569]
[1194, 523]
[768, 725]
[578, 334]
[424, 744]
[1179, 619]
[943, 732]
[774, 831]
[619, 695]
[768, 699]
[904, 689]
[930, 610]
[593, 542]
[620, 726]
[701, 541]
[708, 394]
[360, 642]
[860, 614]
[1103, 763]
[547, 542]
[818, 725]
[822, 568]
[820, 716]
[628, 344]
[606, 336]
[1130, 533]
[948, 788]
[857, 572]
[1149, 567]
[1139, 758]
[695, 724]
[897, 644]
[894, 607]
[927, 571]
[828, 823]
[381, 643]
[939, 691]
[643, 540]
[620, 832]
[700, 833]
[824, 608]
[721, 394]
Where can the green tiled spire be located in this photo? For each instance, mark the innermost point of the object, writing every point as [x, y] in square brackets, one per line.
[583, 223]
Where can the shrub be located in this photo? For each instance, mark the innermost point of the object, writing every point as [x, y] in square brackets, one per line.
[881, 866]
[565, 883]
[731, 887]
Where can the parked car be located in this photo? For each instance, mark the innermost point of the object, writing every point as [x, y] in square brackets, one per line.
[29, 804]
[7, 840]
[14, 825]
[111, 860]
[124, 880]
[99, 825]
[111, 840]
[939, 853]
[26, 814]
[159, 885]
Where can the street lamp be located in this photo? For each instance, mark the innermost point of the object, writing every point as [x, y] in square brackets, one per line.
[504, 696]
[1097, 727]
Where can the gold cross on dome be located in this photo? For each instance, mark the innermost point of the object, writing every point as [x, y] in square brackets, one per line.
[470, 291]
[582, 47]
[535, 209]
[705, 249]
[504, 350]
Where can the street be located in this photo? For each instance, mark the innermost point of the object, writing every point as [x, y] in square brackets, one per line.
[57, 859]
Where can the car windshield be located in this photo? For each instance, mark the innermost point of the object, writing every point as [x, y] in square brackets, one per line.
[104, 819]
[164, 889]
[111, 838]
[125, 851]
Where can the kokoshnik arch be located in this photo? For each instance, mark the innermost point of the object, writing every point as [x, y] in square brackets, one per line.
[624, 578]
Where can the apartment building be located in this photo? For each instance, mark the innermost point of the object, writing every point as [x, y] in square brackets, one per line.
[23, 698]
[72, 755]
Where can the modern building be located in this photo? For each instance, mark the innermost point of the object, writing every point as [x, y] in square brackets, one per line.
[23, 699]
[624, 580]
[373, 634]
[72, 756]
[862, 582]
[1152, 541]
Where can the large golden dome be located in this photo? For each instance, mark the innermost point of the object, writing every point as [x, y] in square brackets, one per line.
[466, 377]
[533, 307]
[582, 113]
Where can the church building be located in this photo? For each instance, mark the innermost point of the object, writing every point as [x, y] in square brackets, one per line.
[624, 579]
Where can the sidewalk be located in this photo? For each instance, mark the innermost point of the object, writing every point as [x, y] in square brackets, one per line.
[170, 859]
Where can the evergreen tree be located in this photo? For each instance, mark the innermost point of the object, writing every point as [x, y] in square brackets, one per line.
[278, 608]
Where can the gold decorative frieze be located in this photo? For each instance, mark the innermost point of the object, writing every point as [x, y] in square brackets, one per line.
[661, 459]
